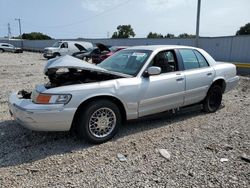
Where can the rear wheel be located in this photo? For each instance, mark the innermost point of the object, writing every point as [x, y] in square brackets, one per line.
[1, 50]
[99, 121]
[213, 99]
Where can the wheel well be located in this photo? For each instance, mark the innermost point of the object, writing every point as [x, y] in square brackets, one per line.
[110, 98]
[221, 83]
[56, 53]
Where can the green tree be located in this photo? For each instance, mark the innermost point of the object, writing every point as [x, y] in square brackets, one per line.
[169, 35]
[123, 31]
[185, 35]
[35, 36]
[154, 35]
[244, 30]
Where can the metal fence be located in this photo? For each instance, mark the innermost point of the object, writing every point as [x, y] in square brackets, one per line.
[231, 49]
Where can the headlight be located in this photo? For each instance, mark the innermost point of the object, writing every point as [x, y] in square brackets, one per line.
[52, 98]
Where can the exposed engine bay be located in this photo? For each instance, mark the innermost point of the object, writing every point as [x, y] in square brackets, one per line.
[70, 76]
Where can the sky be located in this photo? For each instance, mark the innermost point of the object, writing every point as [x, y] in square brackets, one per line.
[100, 18]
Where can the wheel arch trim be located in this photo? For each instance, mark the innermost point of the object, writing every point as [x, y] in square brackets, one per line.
[121, 105]
[221, 82]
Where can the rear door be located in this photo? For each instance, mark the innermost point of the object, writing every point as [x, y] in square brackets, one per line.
[198, 74]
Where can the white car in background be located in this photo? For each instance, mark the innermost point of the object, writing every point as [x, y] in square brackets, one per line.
[61, 48]
[134, 82]
[6, 47]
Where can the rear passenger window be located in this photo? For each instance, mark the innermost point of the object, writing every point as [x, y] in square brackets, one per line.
[201, 59]
[189, 59]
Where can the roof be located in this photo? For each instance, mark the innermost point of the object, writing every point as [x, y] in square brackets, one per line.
[159, 47]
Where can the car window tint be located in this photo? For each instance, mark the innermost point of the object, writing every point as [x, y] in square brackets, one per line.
[189, 59]
[166, 61]
[126, 61]
[171, 61]
[201, 59]
[65, 45]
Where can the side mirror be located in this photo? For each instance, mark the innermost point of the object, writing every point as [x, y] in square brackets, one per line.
[154, 71]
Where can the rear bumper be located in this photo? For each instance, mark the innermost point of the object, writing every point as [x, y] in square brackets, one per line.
[38, 117]
[232, 83]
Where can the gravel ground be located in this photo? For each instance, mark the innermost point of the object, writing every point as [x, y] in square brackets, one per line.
[196, 141]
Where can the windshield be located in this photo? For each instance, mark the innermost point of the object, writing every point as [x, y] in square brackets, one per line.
[57, 44]
[126, 61]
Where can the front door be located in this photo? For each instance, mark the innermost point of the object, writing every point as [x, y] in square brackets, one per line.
[64, 49]
[165, 91]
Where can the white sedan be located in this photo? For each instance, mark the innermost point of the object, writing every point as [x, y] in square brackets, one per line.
[135, 82]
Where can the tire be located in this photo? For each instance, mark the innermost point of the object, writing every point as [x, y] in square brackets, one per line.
[1, 50]
[56, 55]
[213, 99]
[103, 111]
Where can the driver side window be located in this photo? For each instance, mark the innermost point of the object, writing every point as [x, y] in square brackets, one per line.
[166, 61]
[64, 45]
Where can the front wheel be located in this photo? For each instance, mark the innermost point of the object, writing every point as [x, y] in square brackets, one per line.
[213, 99]
[56, 55]
[1, 50]
[99, 121]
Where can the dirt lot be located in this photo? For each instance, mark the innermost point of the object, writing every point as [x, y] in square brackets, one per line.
[196, 141]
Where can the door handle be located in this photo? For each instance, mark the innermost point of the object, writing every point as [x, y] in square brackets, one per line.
[179, 79]
[209, 74]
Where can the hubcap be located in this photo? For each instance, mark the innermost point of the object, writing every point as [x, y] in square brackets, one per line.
[102, 122]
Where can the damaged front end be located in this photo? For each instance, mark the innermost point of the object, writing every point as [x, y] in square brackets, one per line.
[47, 107]
[68, 70]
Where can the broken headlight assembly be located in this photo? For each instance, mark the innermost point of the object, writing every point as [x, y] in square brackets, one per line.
[52, 98]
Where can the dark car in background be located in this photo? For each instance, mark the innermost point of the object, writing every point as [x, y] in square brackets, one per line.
[98, 53]
[98, 58]
[6, 47]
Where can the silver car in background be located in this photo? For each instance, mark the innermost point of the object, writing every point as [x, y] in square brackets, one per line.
[135, 82]
[6, 47]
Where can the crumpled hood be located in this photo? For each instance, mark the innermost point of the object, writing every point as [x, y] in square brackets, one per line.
[68, 61]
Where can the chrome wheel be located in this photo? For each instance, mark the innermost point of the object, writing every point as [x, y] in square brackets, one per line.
[102, 122]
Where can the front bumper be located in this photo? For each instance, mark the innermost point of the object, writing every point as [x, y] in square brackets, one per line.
[40, 117]
[48, 55]
[232, 83]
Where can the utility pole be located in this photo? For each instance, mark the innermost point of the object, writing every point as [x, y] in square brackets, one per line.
[20, 30]
[198, 24]
[9, 31]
